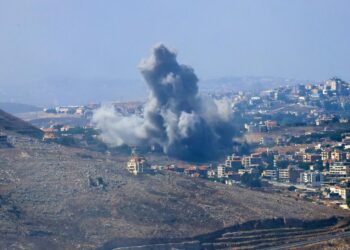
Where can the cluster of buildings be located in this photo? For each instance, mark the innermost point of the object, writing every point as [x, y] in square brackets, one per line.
[317, 163]
[123, 108]
[72, 125]
[312, 104]
[68, 134]
[325, 169]
[129, 108]
[137, 165]
[318, 172]
[83, 111]
[260, 127]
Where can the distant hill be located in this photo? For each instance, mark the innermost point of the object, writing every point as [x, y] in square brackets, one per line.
[248, 83]
[12, 123]
[68, 91]
[73, 91]
[17, 108]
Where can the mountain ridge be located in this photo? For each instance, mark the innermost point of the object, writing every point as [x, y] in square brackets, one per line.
[12, 123]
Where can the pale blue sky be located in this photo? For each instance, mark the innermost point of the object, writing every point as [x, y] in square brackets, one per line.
[307, 39]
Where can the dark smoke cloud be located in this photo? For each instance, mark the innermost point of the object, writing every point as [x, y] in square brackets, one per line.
[186, 125]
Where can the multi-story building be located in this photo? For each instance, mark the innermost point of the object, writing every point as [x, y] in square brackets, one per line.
[211, 173]
[221, 170]
[314, 179]
[253, 160]
[294, 173]
[343, 192]
[283, 174]
[270, 173]
[290, 174]
[308, 157]
[339, 169]
[246, 161]
[248, 171]
[345, 137]
[338, 155]
[325, 155]
[233, 162]
[136, 165]
[266, 141]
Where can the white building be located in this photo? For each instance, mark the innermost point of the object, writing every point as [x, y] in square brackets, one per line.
[248, 171]
[251, 128]
[221, 171]
[343, 192]
[136, 165]
[315, 179]
[339, 169]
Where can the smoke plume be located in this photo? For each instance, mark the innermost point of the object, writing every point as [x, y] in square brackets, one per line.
[183, 123]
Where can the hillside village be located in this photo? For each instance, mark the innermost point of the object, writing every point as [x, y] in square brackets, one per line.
[292, 137]
[306, 150]
[164, 125]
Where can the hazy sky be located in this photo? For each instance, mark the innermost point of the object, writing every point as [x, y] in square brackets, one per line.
[298, 39]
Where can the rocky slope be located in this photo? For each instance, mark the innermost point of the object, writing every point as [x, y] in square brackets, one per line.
[11, 123]
[53, 197]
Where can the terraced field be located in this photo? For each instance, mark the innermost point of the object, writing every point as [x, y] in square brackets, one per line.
[275, 238]
[269, 234]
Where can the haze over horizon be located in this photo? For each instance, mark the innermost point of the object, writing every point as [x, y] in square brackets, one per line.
[200, 124]
[43, 42]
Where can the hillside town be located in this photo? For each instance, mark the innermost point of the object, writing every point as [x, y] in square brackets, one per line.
[298, 138]
[158, 125]
[291, 137]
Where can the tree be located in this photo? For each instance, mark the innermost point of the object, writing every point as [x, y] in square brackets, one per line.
[250, 180]
[348, 202]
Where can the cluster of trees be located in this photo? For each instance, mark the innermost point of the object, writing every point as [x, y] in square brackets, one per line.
[250, 180]
[315, 137]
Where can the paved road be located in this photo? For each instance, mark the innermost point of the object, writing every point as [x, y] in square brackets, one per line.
[311, 241]
[283, 184]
